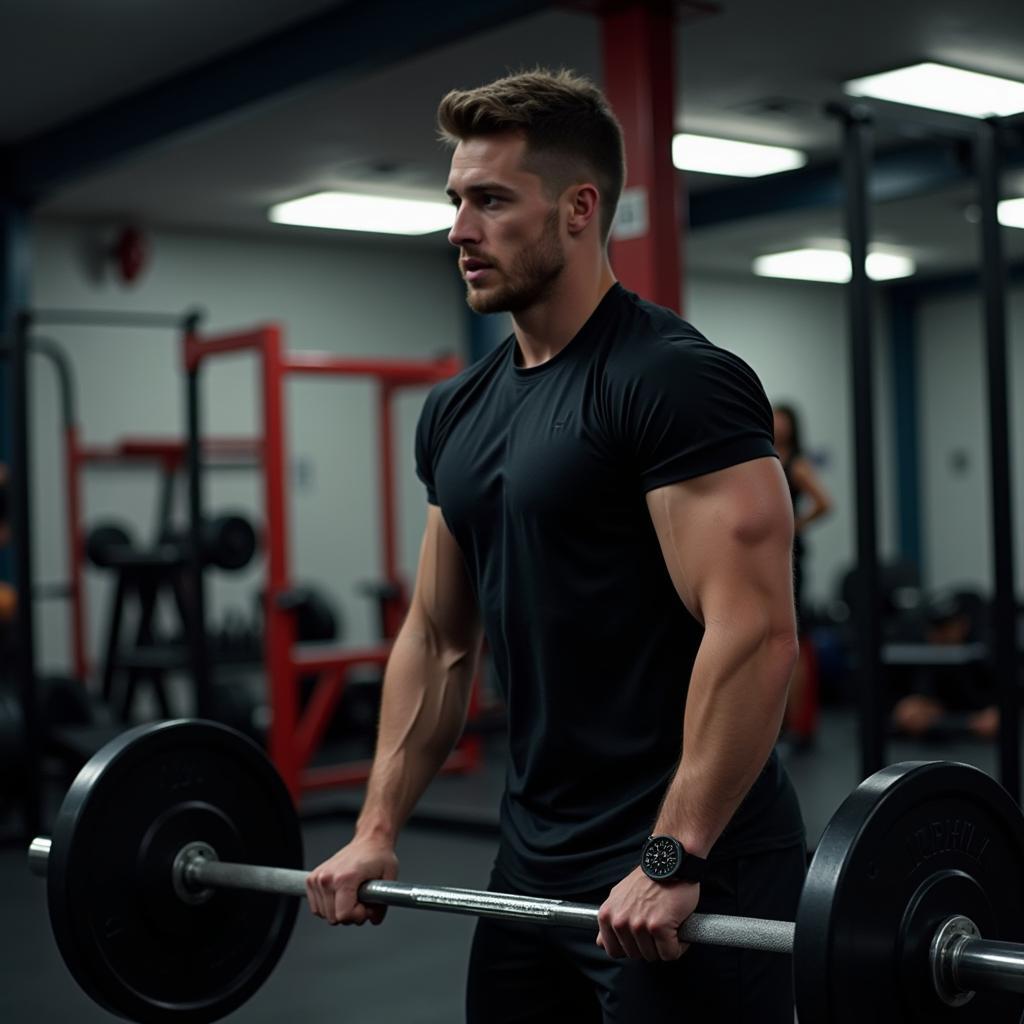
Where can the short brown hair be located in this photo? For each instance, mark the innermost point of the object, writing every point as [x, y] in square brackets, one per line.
[571, 133]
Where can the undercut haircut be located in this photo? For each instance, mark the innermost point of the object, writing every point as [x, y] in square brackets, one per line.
[571, 134]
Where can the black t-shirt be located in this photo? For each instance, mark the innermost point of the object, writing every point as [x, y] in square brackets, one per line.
[541, 476]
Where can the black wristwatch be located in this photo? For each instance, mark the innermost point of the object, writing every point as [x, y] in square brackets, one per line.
[665, 859]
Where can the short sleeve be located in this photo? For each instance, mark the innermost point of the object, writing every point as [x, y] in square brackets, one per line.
[425, 431]
[692, 409]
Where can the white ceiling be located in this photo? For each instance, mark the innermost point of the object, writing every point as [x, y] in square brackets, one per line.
[759, 70]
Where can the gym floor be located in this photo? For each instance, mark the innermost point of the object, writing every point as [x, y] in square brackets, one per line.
[412, 968]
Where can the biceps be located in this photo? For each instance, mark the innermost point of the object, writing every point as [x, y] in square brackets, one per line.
[443, 604]
[727, 540]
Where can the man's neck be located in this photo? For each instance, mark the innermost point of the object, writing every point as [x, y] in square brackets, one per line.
[546, 328]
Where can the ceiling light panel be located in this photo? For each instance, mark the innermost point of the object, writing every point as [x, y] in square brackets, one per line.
[1011, 213]
[349, 211]
[940, 87]
[726, 156]
[830, 265]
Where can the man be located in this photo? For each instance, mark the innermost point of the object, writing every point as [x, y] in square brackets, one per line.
[605, 504]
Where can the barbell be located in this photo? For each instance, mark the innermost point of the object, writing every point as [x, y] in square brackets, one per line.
[175, 859]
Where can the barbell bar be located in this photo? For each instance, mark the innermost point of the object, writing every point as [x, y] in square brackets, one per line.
[196, 868]
[910, 913]
[962, 962]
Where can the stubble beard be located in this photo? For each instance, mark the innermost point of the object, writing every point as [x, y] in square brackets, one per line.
[531, 277]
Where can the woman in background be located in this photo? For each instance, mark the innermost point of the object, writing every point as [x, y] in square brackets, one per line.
[811, 501]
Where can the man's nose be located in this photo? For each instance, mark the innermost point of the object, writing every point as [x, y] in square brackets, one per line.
[466, 228]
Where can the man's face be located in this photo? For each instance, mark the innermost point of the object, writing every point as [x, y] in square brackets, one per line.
[507, 229]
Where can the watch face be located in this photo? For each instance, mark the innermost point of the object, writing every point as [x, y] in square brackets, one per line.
[661, 857]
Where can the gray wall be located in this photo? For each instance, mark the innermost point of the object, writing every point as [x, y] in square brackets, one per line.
[954, 437]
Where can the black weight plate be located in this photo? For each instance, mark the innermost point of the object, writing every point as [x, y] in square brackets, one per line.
[129, 941]
[913, 845]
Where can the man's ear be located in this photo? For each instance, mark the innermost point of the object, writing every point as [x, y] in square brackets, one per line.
[584, 204]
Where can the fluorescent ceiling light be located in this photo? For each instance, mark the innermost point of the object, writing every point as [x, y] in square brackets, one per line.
[725, 156]
[1011, 213]
[830, 265]
[348, 211]
[940, 87]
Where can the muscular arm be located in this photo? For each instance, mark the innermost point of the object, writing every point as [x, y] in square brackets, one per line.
[426, 684]
[423, 709]
[727, 539]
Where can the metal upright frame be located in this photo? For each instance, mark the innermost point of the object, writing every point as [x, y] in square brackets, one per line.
[72, 511]
[867, 614]
[1005, 659]
[76, 454]
[1004, 655]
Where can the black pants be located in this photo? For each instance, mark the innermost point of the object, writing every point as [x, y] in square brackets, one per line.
[524, 972]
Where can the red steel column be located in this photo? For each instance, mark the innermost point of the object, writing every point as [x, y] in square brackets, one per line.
[639, 81]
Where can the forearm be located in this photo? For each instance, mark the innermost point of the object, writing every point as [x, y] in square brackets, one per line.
[423, 710]
[734, 709]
